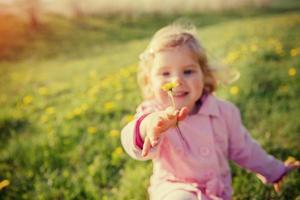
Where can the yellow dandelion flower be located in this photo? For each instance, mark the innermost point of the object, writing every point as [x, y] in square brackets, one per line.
[106, 83]
[291, 160]
[118, 151]
[27, 100]
[294, 52]
[70, 115]
[4, 184]
[234, 90]
[66, 173]
[93, 91]
[169, 86]
[92, 130]
[50, 110]
[77, 111]
[125, 73]
[108, 106]
[43, 91]
[127, 118]
[84, 107]
[114, 133]
[292, 71]
[283, 89]
[232, 57]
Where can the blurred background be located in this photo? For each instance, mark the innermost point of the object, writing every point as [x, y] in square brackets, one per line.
[68, 86]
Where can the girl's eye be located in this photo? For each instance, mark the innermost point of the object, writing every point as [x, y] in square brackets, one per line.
[188, 71]
[165, 73]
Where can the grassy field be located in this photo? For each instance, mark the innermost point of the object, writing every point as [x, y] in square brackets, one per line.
[67, 89]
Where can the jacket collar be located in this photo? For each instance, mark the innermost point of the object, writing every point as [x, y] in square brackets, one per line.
[209, 106]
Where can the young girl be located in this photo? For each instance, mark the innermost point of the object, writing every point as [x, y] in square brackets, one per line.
[191, 140]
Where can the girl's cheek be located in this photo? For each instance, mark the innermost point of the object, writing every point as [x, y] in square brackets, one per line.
[163, 96]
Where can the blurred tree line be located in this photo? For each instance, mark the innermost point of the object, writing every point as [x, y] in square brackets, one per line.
[34, 9]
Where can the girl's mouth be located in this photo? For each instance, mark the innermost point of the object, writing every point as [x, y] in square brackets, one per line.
[179, 94]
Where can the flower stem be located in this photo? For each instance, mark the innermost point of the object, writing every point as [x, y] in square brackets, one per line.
[172, 99]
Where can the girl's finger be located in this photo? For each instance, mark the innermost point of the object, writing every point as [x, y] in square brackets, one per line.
[154, 135]
[182, 113]
[170, 113]
[155, 142]
[160, 122]
[146, 146]
[297, 164]
[277, 186]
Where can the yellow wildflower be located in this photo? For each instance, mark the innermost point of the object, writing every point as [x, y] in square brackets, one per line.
[283, 89]
[234, 90]
[106, 83]
[108, 106]
[232, 57]
[77, 111]
[66, 173]
[4, 184]
[169, 86]
[127, 118]
[125, 73]
[118, 151]
[294, 52]
[27, 100]
[84, 107]
[291, 160]
[292, 71]
[92, 129]
[50, 110]
[93, 91]
[114, 133]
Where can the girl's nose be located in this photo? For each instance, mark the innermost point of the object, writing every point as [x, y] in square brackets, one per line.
[178, 79]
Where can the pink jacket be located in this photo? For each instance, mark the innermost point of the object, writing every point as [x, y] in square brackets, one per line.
[197, 159]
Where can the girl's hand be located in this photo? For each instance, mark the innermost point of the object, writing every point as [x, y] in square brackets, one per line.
[290, 164]
[158, 122]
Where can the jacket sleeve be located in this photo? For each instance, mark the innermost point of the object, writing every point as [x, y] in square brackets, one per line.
[128, 140]
[248, 154]
[130, 131]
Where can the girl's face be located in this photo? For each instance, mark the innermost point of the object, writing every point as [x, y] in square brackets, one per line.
[177, 65]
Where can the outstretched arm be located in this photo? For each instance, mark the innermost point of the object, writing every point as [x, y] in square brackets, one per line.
[140, 138]
[246, 152]
[158, 122]
[290, 164]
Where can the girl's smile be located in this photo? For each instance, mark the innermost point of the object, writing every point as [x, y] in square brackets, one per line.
[177, 65]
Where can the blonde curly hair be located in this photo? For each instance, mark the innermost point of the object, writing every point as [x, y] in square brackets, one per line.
[169, 37]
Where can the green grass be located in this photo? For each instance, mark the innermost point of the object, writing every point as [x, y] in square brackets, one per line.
[67, 94]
